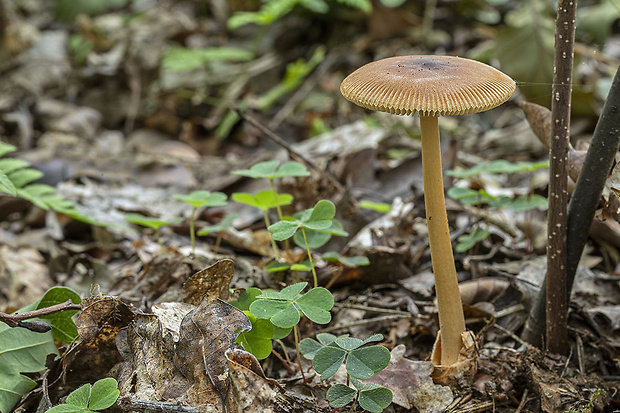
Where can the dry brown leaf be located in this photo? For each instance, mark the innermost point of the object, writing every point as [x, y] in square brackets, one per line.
[213, 282]
[191, 370]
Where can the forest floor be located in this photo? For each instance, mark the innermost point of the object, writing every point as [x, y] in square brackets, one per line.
[128, 104]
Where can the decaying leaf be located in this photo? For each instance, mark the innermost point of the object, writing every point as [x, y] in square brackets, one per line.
[539, 118]
[211, 283]
[412, 385]
[98, 325]
[191, 370]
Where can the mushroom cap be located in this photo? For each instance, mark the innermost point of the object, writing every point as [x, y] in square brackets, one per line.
[430, 85]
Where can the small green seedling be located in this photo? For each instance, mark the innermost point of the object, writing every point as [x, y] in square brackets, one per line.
[361, 363]
[284, 308]
[258, 340]
[270, 170]
[371, 397]
[199, 199]
[224, 224]
[467, 241]
[16, 179]
[317, 219]
[150, 222]
[264, 200]
[90, 399]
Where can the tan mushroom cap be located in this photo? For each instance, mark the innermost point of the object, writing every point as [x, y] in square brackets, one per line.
[430, 85]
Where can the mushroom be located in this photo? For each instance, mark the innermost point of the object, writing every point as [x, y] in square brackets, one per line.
[433, 86]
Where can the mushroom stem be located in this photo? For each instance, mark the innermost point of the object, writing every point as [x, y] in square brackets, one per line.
[451, 319]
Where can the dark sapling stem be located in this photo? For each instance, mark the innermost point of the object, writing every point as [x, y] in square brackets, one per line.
[557, 307]
[584, 202]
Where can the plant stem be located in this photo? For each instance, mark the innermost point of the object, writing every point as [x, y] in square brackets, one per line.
[218, 241]
[191, 231]
[451, 319]
[556, 307]
[316, 283]
[301, 370]
[161, 245]
[287, 246]
[273, 242]
[354, 402]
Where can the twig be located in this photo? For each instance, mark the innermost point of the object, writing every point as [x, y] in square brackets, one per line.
[17, 320]
[293, 153]
[374, 309]
[130, 403]
[557, 307]
[523, 401]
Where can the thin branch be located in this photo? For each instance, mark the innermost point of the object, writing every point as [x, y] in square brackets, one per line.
[132, 404]
[293, 153]
[18, 320]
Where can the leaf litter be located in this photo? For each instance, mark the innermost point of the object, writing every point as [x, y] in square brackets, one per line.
[113, 128]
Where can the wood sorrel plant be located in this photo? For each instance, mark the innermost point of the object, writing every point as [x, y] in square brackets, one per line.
[314, 219]
[264, 200]
[199, 199]
[361, 363]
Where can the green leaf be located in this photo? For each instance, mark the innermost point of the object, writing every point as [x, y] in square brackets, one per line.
[348, 343]
[526, 203]
[224, 224]
[308, 347]
[282, 314]
[282, 230]
[316, 304]
[181, 59]
[362, 363]
[6, 185]
[264, 200]
[277, 266]
[103, 394]
[6, 148]
[149, 222]
[326, 338]
[375, 400]
[376, 206]
[63, 326]
[300, 267]
[291, 169]
[328, 360]
[373, 338]
[316, 239]
[79, 397]
[348, 261]
[270, 170]
[9, 165]
[203, 198]
[340, 395]
[467, 241]
[279, 332]
[257, 340]
[265, 169]
[292, 291]
[321, 216]
[23, 351]
[246, 298]
[23, 177]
